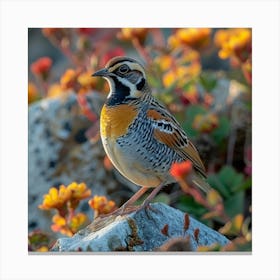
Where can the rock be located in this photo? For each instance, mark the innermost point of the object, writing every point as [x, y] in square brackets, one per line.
[60, 153]
[161, 228]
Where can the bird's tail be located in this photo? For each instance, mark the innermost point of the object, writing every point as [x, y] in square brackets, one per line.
[200, 183]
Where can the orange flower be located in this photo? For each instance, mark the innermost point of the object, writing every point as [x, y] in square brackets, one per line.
[69, 80]
[33, 93]
[164, 62]
[196, 38]
[129, 34]
[234, 42]
[179, 170]
[54, 90]
[101, 205]
[41, 67]
[60, 225]
[180, 69]
[181, 75]
[86, 81]
[79, 191]
[56, 199]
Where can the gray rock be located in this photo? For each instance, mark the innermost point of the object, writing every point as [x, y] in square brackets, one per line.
[60, 153]
[145, 230]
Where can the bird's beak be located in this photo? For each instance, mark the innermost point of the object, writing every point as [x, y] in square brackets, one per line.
[101, 73]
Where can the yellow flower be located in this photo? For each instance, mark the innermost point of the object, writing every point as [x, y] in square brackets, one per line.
[69, 79]
[60, 225]
[128, 34]
[164, 62]
[196, 38]
[79, 191]
[191, 56]
[54, 90]
[234, 42]
[56, 198]
[101, 205]
[33, 93]
[43, 249]
[179, 68]
[234, 226]
[86, 81]
[174, 42]
[67, 225]
[213, 197]
[77, 221]
[58, 220]
[181, 75]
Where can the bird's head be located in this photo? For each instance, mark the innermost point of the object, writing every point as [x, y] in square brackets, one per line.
[126, 77]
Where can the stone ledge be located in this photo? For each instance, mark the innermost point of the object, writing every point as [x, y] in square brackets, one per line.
[145, 230]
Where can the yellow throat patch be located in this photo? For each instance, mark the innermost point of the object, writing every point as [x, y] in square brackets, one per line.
[115, 120]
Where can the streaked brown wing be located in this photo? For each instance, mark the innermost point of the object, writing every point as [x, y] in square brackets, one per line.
[169, 132]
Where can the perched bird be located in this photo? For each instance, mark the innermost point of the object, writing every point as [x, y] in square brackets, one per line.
[139, 135]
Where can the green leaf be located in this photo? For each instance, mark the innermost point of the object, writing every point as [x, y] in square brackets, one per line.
[235, 204]
[221, 132]
[208, 81]
[187, 86]
[247, 184]
[230, 178]
[188, 204]
[216, 183]
[191, 112]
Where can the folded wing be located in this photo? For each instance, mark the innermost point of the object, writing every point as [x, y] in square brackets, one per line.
[169, 132]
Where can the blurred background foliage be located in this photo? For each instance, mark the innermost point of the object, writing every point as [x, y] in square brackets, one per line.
[202, 75]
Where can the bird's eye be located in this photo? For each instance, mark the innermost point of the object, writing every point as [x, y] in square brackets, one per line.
[123, 69]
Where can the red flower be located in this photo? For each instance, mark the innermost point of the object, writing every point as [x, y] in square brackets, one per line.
[41, 66]
[86, 31]
[180, 170]
[110, 54]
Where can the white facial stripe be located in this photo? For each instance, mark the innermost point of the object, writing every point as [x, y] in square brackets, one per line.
[111, 85]
[112, 69]
[127, 83]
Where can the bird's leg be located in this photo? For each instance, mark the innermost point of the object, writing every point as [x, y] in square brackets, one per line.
[151, 196]
[134, 198]
[145, 203]
[127, 206]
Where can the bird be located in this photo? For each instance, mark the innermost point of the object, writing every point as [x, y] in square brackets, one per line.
[139, 135]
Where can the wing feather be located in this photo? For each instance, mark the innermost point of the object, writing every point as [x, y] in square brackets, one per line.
[169, 132]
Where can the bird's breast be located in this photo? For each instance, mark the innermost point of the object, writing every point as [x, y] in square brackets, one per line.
[115, 120]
